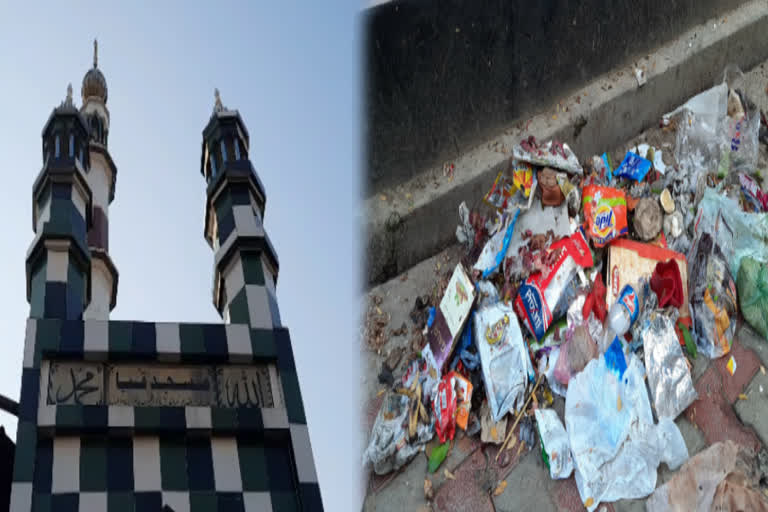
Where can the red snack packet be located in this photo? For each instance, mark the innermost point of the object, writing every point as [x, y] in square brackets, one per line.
[463, 388]
[444, 406]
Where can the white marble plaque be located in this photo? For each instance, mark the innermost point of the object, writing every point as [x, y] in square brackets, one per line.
[244, 386]
[75, 384]
[151, 385]
[154, 385]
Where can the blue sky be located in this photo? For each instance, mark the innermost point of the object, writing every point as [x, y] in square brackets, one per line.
[292, 72]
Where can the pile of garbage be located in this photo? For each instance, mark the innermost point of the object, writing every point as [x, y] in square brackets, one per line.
[587, 281]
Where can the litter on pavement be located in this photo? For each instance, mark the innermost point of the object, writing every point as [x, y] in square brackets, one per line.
[598, 285]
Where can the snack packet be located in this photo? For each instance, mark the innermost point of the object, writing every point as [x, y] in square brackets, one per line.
[605, 210]
[544, 296]
[633, 166]
[463, 391]
[444, 406]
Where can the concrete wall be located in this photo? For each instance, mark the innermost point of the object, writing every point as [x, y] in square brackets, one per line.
[442, 76]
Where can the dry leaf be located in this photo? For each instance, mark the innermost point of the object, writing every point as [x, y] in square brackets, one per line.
[742, 396]
[423, 413]
[428, 492]
[449, 475]
[554, 117]
[589, 502]
[500, 488]
[381, 392]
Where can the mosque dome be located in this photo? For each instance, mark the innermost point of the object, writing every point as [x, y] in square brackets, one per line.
[94, 83]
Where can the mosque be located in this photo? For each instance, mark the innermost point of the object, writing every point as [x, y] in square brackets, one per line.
[144, 416]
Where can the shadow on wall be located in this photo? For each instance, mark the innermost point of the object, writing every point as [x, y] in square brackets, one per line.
[443, 76]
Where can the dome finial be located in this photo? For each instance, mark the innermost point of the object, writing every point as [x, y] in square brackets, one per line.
[68, 100]
[95, 53]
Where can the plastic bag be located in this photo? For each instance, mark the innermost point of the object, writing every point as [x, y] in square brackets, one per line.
[700, 133]
[389, 448]
[716, 127]
[503, 357]
[752, 284]
[616, 447]
[716, 478]
[750, 229]
[496, 248]
[547, 363]
[555, 448]
[578, 350]
[743, 121]
[712, 290]
[669, 378]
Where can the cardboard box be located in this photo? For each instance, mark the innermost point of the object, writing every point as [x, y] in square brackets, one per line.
[628, 261]
[451, 316]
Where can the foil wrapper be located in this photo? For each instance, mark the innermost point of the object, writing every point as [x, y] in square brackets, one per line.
[669, 378]
[506, 366]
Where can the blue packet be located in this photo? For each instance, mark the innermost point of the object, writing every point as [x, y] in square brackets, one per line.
[614, 358]
[505, 245]
[634, 167]
[431, 319]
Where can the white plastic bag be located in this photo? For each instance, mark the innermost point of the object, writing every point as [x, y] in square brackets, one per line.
[615, 445]
[554, 444]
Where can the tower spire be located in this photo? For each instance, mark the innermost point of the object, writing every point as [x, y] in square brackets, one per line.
[217, 106]
[95, 53]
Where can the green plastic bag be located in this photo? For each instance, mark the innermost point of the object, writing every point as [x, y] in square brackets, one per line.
[752, 285]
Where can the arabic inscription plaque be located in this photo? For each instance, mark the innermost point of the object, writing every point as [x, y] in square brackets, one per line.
[80, 383]
[160, 386]
[244, 386]
[76, 384]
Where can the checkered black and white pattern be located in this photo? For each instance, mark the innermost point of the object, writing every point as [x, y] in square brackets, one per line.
[43, 428]
[144, 473]
[58, 260]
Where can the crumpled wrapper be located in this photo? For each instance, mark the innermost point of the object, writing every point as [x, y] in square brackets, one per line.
[389, 448]
[503, 357]
[487, 294]
[465, 233]
[545, 158]
[555, 446]
[668, 376]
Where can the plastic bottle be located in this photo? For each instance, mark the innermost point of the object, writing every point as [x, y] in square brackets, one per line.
[621, 316]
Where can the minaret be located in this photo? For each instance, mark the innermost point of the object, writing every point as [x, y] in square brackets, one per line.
[245, 273]
[58, 263]
[101, 179]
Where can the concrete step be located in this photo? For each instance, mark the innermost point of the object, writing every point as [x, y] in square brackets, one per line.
[415, 219]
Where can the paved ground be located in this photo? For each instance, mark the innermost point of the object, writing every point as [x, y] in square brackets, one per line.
[717, 415]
